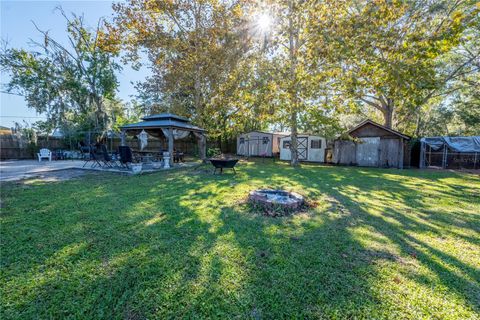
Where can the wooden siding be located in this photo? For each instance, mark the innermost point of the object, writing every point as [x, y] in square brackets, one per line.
[344, 152]
[390, 150]
[368, 152]
[387, 153]
[369, 130]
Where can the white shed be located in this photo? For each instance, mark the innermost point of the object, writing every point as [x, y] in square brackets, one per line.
[259, 143]
[310, 148]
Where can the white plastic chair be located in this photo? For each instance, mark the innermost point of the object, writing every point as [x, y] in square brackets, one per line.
[44, 154]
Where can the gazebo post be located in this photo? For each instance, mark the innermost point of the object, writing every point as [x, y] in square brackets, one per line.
[170, 144]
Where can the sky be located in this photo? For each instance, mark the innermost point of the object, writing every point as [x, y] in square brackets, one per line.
[17, 28]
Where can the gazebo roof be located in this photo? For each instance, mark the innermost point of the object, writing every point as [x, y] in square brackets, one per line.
[163, 120]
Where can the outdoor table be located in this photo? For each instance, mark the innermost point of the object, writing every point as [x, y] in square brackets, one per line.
[147, 156]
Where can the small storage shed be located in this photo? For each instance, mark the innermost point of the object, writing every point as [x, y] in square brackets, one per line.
[310, 148]
[375, 146]
[259, 144]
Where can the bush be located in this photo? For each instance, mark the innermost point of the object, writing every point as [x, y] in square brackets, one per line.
[213, 152]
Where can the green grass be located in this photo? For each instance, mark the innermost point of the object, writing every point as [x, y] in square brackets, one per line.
[182, 244]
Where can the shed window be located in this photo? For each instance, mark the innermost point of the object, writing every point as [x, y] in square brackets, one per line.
[286, 144]
[266, 140]
[242, 140]
[316, 144]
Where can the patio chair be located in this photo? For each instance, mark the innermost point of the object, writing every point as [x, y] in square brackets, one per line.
[58, 155]
[86, 152]
[107, 159]
[96, 157]
[44, 154]
[125, 153]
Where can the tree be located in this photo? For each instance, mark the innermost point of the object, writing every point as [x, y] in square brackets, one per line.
[464, 89]
[195, 49]
[296, 13]
[294, 78]
[388, 51]
[67, 83]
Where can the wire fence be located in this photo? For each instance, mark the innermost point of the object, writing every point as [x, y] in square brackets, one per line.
[13, 146]
[452, 160]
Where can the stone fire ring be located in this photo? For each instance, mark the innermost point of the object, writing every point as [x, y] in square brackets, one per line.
[276, 202]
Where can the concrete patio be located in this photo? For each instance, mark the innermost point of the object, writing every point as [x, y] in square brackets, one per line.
[13, 170]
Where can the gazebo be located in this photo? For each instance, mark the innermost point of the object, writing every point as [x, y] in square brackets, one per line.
[169, 126]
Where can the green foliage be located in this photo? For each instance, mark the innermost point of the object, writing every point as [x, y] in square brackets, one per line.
[380, 244]
[315, 63]
[213, 152]
[196, 52]
[455, 111]
[317, 67]
[389, 53]
[74, 84]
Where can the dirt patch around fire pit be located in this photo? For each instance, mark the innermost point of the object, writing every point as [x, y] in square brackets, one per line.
[276, 203]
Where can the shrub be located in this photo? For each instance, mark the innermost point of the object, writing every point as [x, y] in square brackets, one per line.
[213, 152]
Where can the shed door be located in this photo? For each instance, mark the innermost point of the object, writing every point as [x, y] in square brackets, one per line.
[367, 152]
[302, 148]
[254, 146]
[389, 153]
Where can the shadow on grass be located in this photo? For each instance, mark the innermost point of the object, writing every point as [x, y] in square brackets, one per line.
[179, 245]
[404, 227]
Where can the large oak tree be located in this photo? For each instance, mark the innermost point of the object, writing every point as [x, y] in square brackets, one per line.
[389, 51]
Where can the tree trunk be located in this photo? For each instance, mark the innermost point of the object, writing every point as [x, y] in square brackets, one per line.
[202, 147]
[418, 124]
[294, 141]
[99, 113]
[293, 42]
[197, 83]
[197, 88]
[388, 114]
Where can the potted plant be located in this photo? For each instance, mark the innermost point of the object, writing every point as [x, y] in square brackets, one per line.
[136, 167]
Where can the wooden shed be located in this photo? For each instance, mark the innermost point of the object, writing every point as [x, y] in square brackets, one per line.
[259, 143]
[374, 146]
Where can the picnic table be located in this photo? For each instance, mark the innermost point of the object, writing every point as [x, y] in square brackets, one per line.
[147, 156]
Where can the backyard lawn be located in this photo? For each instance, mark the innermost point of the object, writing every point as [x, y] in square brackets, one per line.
[377, 243]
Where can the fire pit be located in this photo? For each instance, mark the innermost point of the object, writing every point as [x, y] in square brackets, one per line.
[276, 202]
[224, 164]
